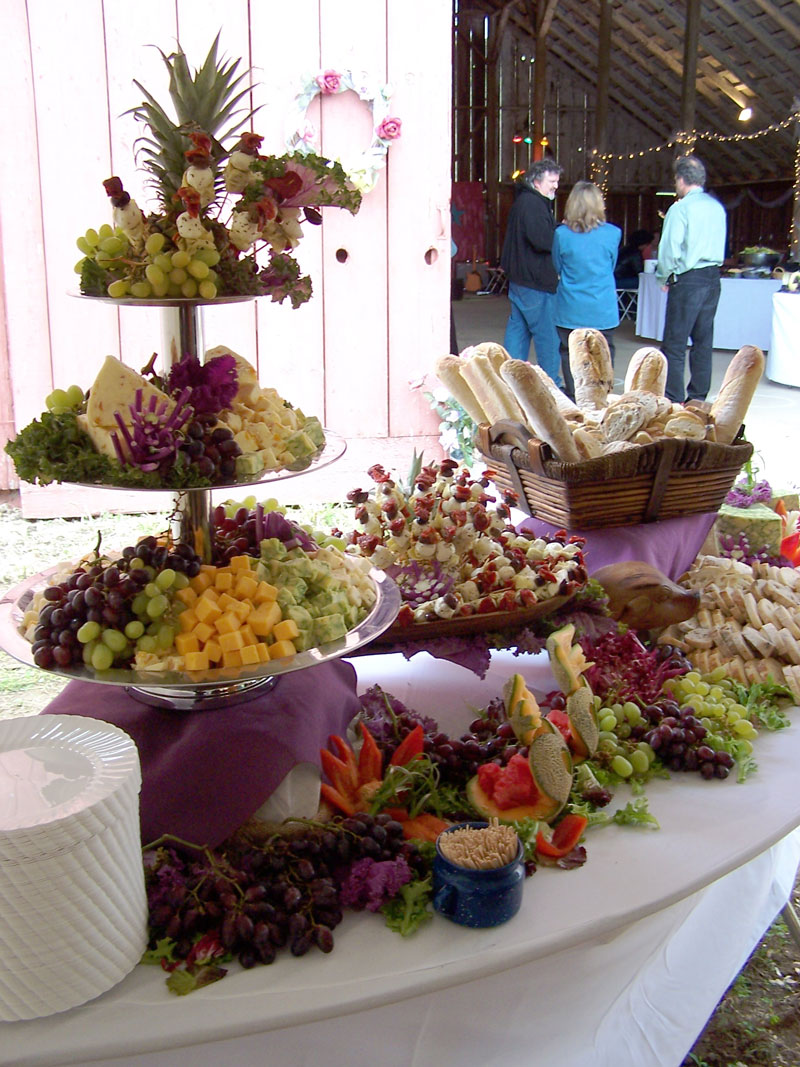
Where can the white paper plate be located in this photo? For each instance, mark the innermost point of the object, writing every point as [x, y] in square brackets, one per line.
[55, 767]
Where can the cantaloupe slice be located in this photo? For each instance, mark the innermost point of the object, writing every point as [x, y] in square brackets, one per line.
[567, 660]
[583, 722]
[551, 766]
[522, 709]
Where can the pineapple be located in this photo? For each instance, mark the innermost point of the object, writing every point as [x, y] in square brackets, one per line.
[208, 101]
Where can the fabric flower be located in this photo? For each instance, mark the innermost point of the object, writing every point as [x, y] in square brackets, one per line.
[330, 81]
[389, 129]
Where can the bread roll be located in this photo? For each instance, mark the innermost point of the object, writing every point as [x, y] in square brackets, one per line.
[734, 396]
[491, 392]
[621, 420]
[565, 405]
[686, 423]
[590, 363]
[541, 410]
[589, 443]
[448, 370]
[647, 370]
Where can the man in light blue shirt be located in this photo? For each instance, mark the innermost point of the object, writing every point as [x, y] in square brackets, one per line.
[690, 254]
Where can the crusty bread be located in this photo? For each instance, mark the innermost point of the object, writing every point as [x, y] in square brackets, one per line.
[540, 408]
[734, 396]
[647, 370]
[496, 353]
[590, 443]
[566, 406]
[686, 423]
[630, 413]
[448, 371]
[491, 392]
[590, 363]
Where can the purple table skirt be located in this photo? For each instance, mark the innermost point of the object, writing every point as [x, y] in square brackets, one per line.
[671, 546]
[204, 773]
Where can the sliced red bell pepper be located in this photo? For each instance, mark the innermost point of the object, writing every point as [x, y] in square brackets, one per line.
[370, 760]
[780, 509]
[347, 756]
[338, 773]
[790, 548]
[409, 748]
[565, 837]
[336, 799]
[423, 827]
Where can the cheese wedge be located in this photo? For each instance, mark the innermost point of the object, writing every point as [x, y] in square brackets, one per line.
[115, 389]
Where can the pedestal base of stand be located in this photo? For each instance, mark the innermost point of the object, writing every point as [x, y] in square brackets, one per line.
[201, 698]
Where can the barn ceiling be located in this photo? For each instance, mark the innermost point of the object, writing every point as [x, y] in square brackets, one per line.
[748, 56]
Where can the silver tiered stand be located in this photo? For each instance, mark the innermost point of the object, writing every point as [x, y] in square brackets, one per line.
[192, 524]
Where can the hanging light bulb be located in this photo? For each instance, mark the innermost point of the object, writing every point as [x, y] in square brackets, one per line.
[745, 114]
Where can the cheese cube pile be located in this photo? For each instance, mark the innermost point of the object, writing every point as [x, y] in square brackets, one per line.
[230, 619]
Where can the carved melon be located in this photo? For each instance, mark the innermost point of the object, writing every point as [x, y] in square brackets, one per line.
[545, 808]
[522, 710]
[567, 660]
[551, 766]
[583, 722]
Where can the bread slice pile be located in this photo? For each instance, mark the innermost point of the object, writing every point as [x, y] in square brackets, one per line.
[491, 386]
[748, 621]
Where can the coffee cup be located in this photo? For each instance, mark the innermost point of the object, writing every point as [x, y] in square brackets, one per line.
[650, 266]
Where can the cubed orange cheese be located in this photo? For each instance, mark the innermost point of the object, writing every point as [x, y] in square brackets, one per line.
[248, 636]
[209, 569]
[241, 609]
[281, 649]
[240, 563]
[263, 651]
[205, 610]
[186, 643]
[187, 620]
[232, 659]
[264, 593]
[285, 630]
[200, 582]
[230, 641]
[245, 586]
[203, 632]
[197, 661]
[223, 580]
[249, 655]
[227, 623]
[186, 596]
[212, 594]
[262, 619]
[213, 651]
[227, 602]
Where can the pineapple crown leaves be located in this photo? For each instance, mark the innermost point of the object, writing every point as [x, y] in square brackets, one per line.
[208, 101]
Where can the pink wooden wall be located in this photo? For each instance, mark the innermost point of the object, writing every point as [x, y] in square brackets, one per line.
[375, 322]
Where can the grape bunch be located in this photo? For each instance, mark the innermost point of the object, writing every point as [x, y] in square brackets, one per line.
[60, 401]
[209, 448]
[489, 738]
[240, 528]
[105, 611]
[254, 899]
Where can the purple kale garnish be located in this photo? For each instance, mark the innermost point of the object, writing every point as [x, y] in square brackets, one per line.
[152, 441]
[212, 385]
[371, 883]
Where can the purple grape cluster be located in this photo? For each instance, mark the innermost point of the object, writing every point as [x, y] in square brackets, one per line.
[210, 449]
[678, 738]
[254, 900]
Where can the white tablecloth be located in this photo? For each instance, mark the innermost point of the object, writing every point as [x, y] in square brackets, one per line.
[783, 361]
[744, 312]
[641, 941]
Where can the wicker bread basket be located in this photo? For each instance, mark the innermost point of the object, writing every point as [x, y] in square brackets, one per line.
[663, 480]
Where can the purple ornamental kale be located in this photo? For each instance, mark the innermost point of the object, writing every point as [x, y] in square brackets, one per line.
[370, 884]
[213, 385]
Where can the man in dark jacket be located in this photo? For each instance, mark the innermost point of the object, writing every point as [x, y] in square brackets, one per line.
[528, 265]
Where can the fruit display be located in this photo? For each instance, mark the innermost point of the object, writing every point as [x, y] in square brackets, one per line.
[452, 553]
[197, 425]
[220, 203]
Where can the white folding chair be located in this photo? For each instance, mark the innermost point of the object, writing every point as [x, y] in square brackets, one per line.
[627, 301]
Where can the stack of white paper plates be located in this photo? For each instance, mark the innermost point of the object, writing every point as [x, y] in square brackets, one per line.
[73, 910]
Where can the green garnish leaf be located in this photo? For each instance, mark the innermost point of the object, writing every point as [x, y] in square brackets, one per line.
[636, 814]
[410, 908]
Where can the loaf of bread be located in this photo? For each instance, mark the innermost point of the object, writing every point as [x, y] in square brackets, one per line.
[448, 371]
[491, 392]
[590, 363]
[566, 406]
[737, 389]
[590, 443]
[540, 408]
[630, 413]
[496, 353]
[647, 370]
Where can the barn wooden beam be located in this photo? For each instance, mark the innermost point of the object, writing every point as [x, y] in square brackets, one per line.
[603, 76]
[790, 26]
[689, 73]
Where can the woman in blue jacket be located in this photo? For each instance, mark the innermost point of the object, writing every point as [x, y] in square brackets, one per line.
[585, 249]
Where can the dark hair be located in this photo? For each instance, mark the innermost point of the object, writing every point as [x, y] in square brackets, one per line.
[690, 169]
[639, 238]
[541, 167]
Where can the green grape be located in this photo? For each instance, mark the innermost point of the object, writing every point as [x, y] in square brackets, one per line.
[57, 401]
[639, 761]
[744, 728]
[102, 260]
[642, 746]
[189, 288]
[731, 716]
[622, 766]
[178, 275]
[198, 269]
[173, 290]
[608, 735]
[136, 564]
[165, 637]
[92, 237]
[207, 290]
[180, 258]
[119, 288]
[181, 580]
[212, 277]
[78, 268]
[157, 605]
[146, 644]
[161, 289]
[164, 579]
[134, 629]
[115, 639]
[90, 631]
[250, 502]
[155, 275]
[607, 746]
[608, 723]
[75, 396]
[154, 243]
[151, 589]
[84, 246]
[632, 712]
[210, 256]
[112, 246]
[624, 730]
[106, 231]
[102, 657]
[141, 290]
[88, 651]
[163, 262]
[139, 604]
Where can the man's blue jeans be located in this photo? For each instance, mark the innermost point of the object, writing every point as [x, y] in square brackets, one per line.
[533, 316]
[691, 307]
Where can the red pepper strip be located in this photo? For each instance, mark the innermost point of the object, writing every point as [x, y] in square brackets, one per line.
[338, 773]
[409, 748]
[336, 799]
[780, 509]
[565, 837]
[790, 548]
[347, 756]
[423, 827]
[370, 760]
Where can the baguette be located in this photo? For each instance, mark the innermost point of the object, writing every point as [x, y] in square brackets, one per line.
[491, 392]
[590, 363]
[496, 353]
[647, 370]
[448, 371]
[734, 396]
[541, 410]
[565, 405]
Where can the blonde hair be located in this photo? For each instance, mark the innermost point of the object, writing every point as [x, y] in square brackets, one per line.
[585, 209]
